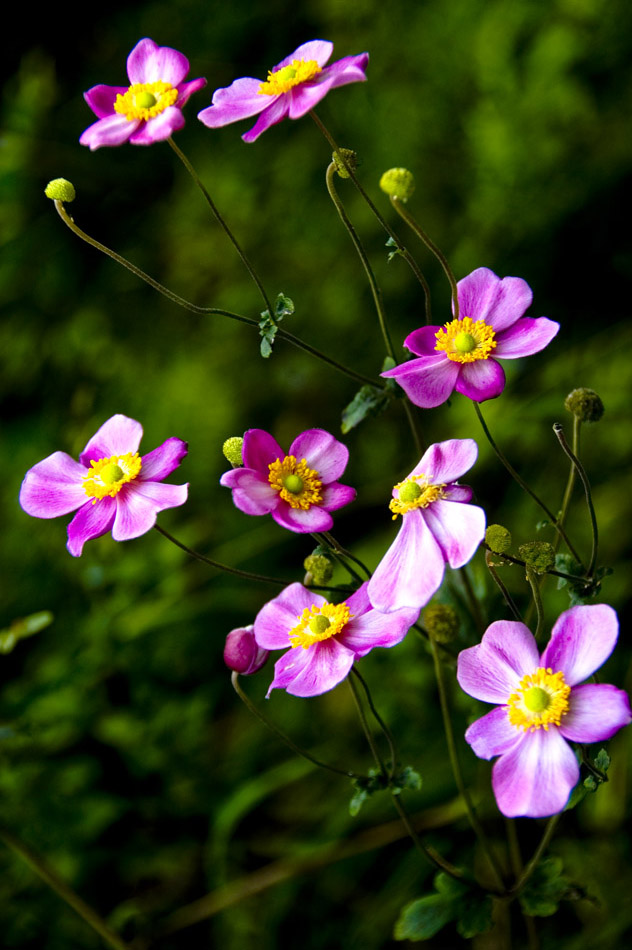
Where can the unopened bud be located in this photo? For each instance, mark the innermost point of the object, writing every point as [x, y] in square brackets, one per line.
[319, 569]
[242, 654]
[232, 450]
[442, 622]
[345, 159]
[498, 538]
[538, 555]
[585, 404]
[60, 189]
[398, 183]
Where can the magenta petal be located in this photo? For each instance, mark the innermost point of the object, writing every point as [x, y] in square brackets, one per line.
[53, 487]
[252, 494]
[322, 667]
[301, 521]
[596, 712]
[322, 452]
[238, 101]
[444, 462]
[427, 381]
[423, 342]
[273, 114]
[582, 640]
[260, 450]
[484, 296]
[525, 337]
[412, 569]
[91, 521]
[461, 493]
[149, 62]
[101, 99]
[375, 629]
[457, 529]
[112, 130]
[535, 778]
[337, 495]
[492, 669]
[276, 618]
[118, 436]
[481, 380]
[186, 90]
[493, 734]
[164, 460]
[318, 50]
[159, 128]
[347, 70]
[138, 506]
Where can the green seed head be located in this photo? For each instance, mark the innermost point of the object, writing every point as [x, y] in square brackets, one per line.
[538, 555]
[464, 343]
[585, 404]
[537, 699]
[319, 624]
[145, 100]
[442, 622]
[293, 484]
[498, 538]
[344, 159]
[410, 491]
[112, 473]
[60, 189]
[232, 450]
[398, 183]
[319, 569]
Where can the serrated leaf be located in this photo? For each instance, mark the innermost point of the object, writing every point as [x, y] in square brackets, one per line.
[283, 307]
[368, 401]
[602, 760]
[545, 889]
[475, 915]
[425, 917]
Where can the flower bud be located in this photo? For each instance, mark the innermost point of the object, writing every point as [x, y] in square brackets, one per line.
[498, 538]
[585, 404]
[60, 189]
[241, 652]
[232, 451]
[319, 569]
[538, 555]
[342, 156]
[442, 622]
[398, 183]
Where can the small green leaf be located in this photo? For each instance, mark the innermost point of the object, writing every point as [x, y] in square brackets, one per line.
[392, 254]
[475, 915]
[364, 787]
[368, 401]
[545, 889]
[283, 307]
[578, 794]
[406, 778]
[425, 917]
[602, 760]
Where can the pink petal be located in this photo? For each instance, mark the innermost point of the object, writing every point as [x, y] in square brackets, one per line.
[118, 436]
[276, 618]
[91, 521]
[412, 569]
[337, 495]
[272, 115]
[101, 99]
[582, 640]
[252, 494]
[53, 487]
[318, 50]
[423, 342]
[535, 778]
[260, 450]
[462, 493]
[159, 128]
[596, 712]
[321, 667]
[238, 101]
[322, 452]
[444, 462]
[493, 734]
[307, 95]
[492, 669]
[163, 461]
[138, 504]
[457, 529]
[149, 62]
[525, 337]
[481, 380]
[427, 381]
[301, 521]
[484, 296]
[113, 130]
[186, 90]
[375, 629]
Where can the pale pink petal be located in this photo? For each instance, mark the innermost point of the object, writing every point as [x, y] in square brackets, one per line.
[112, 130]
[301, 521]
[492, 669]
[481, 380]
[318, 50]
[375, 629]
[412, 569]
[91, 521]
[462, 493]
[596, 712]
[260, 450]
[276, 618]
[358, 602]
[457, 529]
[159, 128]
[322, 452]
[138, 504]
[252, 494]
[118, 436]
[535, 778]
[53, 487]
[321, 667]
[484, 296]
[525, 337]
[444, 462]
[273, 114]
[582, 640]
[337, 495]
[238, 101]
[101, 99]
[427, 381]
[493, 734]
[163, 461]
[149, 62]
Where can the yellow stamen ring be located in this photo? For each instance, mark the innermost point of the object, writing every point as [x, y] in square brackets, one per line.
[464, 341]
[297, 484]
[415, 492]
[145, 100]
[107, 476]
[319, 623]
[286, 78]
[540, 700]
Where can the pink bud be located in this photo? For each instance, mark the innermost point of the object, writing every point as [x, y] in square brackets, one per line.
[241, 652]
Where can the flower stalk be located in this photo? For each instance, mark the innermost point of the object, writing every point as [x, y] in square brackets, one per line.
[561, 438]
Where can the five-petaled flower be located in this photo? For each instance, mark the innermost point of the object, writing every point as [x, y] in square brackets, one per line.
[298, 489]
[541, 705]
[292, 88]
[324, 639]
[438, 526]
[149, 109]
[461, 355]
[111, 485]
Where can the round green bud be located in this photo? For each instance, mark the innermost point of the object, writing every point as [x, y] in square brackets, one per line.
[398, 183]
[319, 569]
[232, 450]
[498, 538]
[585, 404]
[538, 555]
[344, 159]
[442, 622]
[60, 189]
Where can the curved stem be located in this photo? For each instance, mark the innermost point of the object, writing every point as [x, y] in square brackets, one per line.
[570, 484]
[281, 735]
[375, 752]
[247, 575]
[537, 600]
[581, 471]
[387, 732]
[535, 860]
[55, 882]
[500, 584]
[475, 607]
[336, 546]
[516, 560]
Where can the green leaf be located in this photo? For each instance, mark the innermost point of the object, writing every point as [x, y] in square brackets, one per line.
[364, 787]
[544, 889]
[406, 778]
[283, 307]
[268, 328]
[602, 760]
[368, 401]
[475, 915]
[392, 254]
[425, 917]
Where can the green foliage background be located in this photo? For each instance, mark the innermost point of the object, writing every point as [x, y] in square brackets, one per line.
[125, 757]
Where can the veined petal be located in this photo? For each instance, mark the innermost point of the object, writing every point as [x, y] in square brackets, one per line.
[462, 493]
[259, 450]
[252, 494]
[535, 778]
[302, 521]
[526, 336]
[427, 381]
[138, 504]
[149, 62]
[53, 487]
[164, 460]
[375, 629]
[423, 342]
[484, 379]
[458, 529]
[276, 618]
[582, 640]
[412, 569]
[318, 50]
[118, 436]
[499, 302]
[273, 114]
[238, 101]
[493, 734]
[186, 90]
[101, 99]
[91, 521]
[322, 452]
[492, 670]
[322, 667]
[337, 495]
[305, 96]
[444, 462]
[597, 711]
[159, 128]
[112, 130]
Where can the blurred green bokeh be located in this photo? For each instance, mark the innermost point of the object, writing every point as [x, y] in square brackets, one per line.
[125, 756]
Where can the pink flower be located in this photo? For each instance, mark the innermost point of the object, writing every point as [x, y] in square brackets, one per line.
[150, 109]
[111, 485]
[461, 355]
[292, 88]
[241, 652]
[438, 526]
[325, 639]
[298, 489]
[541, 705]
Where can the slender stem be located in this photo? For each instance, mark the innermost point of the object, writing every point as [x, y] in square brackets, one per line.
[500, 583]
[535, 860]
[581, 471]
[427, 850]
[220, 220]
[387, 732]
[247, 575]
[570, 484]
[456, 769]
[516, 560]
[514, 474]
[475, 607]
[366, 728]
[193, 308]
[281, 735]
[331, 541]
[413, 422]
[432, 247]
[337, 554]
[54, 881]
[533, 579]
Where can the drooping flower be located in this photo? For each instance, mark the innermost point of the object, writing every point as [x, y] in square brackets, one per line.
[292, 88]
[462, 354]
[324, 639]
[298, 489]
[149, 109]
[112, 486]
[438, 527]
[541, 706]
[242, 653]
